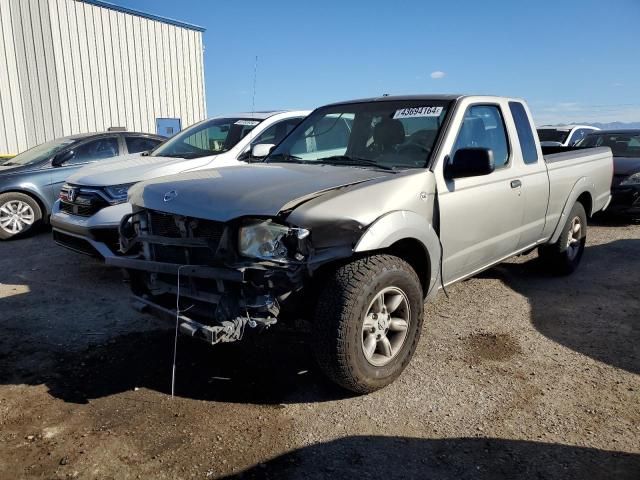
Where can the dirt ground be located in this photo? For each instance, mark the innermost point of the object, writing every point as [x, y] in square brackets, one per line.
[518, 375]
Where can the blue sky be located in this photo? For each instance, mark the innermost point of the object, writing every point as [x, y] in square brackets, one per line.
[571, 60]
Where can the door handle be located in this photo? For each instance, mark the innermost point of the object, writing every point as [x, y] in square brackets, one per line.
[516, 183]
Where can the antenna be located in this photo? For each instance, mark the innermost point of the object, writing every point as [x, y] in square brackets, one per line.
[255, 77]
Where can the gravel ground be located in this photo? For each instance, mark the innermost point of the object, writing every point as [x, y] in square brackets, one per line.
[518, 375]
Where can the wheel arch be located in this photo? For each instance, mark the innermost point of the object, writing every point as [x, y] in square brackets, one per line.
[583, 193]
[409, 236]
[36, 197]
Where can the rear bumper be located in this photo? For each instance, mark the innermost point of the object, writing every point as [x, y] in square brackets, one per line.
[96, 235]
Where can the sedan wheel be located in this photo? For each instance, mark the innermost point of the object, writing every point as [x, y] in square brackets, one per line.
[16, 216]
[19, 214]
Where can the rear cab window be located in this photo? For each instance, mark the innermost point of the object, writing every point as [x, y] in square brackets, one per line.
[525, 133]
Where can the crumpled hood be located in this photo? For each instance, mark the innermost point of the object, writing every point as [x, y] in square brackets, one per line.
[132, 168]
[236, 191]
[625, 165]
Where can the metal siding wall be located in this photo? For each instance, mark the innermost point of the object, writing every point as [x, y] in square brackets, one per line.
[12, 131]
[74, 67]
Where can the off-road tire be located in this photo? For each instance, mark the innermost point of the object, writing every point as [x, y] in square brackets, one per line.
[37, 214]
[557, 257]
[338, 321]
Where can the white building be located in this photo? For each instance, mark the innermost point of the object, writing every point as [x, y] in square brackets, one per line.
[76, 66]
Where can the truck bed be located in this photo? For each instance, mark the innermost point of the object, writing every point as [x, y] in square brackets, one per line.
[567, 167]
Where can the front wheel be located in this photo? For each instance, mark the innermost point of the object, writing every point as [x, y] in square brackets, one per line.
[563, 257]
[367, 322]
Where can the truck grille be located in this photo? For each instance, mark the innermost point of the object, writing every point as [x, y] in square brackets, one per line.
[174, 226]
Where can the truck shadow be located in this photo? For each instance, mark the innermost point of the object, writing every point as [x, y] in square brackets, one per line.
[275, 373]
[595, 311]
[456, 458]
[67, 323]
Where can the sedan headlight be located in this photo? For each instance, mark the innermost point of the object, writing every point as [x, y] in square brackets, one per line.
[118, 193]
[631, 179]
[266, 240]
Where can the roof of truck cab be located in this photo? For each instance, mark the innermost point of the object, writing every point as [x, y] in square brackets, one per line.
[400, 98]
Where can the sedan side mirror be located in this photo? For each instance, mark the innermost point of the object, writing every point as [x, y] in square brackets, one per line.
[470, 162]
[62, 158]
[262, 150]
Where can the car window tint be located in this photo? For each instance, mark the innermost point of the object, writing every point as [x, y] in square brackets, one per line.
[525, 133]
[141, 144]
[95, 150]
[276, 132]
[483, 127]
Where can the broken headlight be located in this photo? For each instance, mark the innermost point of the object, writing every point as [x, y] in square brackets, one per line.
[266, 240]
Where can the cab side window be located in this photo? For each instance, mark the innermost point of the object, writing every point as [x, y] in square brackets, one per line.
[483, 127]
[95, 150]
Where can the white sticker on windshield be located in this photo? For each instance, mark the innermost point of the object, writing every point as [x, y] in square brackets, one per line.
[247, 123]
[413, 112]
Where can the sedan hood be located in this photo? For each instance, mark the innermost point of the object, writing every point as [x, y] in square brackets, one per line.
[237, 191]
[626, 165]
[133, 168]
[15, 169]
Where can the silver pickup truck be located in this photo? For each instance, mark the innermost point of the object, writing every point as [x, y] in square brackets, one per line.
[350, 231]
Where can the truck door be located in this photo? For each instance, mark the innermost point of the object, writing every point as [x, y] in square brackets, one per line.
[535, 182]
[480, 217]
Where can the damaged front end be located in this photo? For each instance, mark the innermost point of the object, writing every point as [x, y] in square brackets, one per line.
[214, 278]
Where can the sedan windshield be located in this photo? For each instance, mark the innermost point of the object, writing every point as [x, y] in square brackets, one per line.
[382, 134]
[553, 134]
[210, 137]
[621, 144]
[40, 153]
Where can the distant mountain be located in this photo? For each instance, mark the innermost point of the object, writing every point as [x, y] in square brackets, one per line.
[614, 125]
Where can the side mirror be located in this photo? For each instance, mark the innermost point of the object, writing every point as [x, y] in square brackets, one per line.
[63, 157]
[262, 150]
[470, 162]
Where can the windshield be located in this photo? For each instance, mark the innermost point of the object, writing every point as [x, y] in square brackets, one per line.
[382, 134]
[206, 138]
[40, 153]
[553, 134]
[621, 144]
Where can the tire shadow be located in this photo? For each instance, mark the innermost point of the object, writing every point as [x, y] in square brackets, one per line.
[595, 311]
[374, 457]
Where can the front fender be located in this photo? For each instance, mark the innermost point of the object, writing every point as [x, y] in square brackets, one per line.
[580, 187]
[403, 225]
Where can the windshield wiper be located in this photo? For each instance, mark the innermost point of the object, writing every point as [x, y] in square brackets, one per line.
[283, 157]
[352, 161]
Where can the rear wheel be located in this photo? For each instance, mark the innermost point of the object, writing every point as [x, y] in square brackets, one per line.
[563, 257]
[19, 213]
[368, 322]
